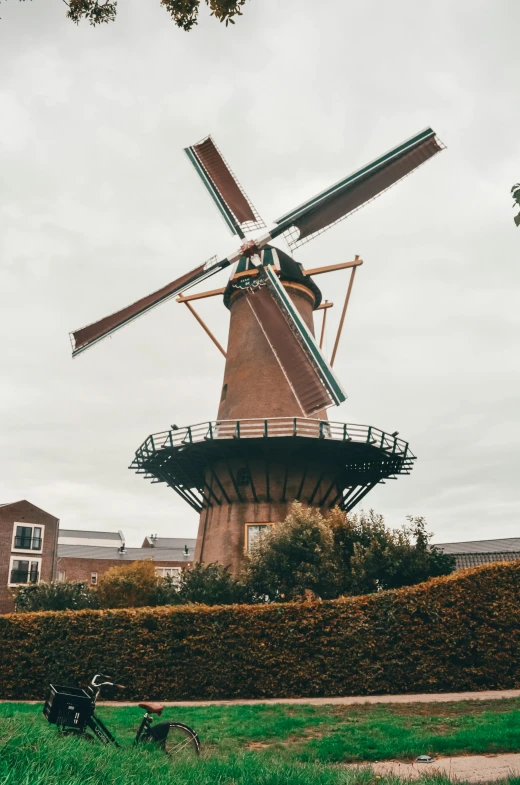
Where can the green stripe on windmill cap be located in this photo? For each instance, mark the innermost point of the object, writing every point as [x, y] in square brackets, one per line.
[290, 270]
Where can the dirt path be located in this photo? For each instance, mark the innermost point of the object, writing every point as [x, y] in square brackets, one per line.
[441, 697]
[469, 768]
[437, 697]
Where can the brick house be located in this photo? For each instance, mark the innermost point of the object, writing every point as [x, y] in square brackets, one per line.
[34, 549]
[28, 548]
[87, 555]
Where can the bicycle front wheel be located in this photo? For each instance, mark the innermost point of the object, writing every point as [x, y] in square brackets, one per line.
[176, 739]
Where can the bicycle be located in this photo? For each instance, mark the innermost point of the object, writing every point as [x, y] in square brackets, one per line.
[73, 710]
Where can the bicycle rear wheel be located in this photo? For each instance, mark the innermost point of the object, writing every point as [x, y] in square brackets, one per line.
[176, 739]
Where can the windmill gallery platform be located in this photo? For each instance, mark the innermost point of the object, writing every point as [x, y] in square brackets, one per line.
[242, 475]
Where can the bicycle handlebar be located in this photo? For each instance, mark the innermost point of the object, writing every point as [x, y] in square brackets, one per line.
[107, 683]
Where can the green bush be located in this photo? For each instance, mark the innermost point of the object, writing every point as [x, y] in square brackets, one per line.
[459, 632]
[55, 597]
[129, 586]
[295, 560]
[211, 584]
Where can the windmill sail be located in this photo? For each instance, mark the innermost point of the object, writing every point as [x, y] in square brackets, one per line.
[235, 207]
[87, 336]
[312, 380]
[343, 198]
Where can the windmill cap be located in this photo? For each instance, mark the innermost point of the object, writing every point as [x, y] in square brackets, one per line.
[290, 270]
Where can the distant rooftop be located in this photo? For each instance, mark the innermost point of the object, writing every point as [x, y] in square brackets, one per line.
[89, 534]
[129, 554]
[507, 545]
[474, 559]
[169, 542]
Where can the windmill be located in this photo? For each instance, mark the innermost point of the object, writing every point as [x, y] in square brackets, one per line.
[272, 441]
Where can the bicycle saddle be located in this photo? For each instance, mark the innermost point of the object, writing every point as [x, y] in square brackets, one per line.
[152, 708]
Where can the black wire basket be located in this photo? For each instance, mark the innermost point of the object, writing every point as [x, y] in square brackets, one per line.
[68, 707]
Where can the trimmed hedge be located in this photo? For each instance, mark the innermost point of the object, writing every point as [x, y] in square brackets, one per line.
[459, 632]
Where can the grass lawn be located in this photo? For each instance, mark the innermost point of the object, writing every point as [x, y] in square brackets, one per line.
[265, 744]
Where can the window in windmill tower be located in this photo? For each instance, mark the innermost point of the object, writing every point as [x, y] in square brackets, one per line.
[224, 393]
[253, 531]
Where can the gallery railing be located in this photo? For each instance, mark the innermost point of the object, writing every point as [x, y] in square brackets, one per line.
[274, 427]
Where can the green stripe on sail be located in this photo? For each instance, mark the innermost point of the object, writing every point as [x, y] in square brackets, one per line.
[327, 375]
[222, 206]
[378, 163]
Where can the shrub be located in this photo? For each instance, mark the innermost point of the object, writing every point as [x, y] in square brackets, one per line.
[211, 584]
[55, 597]
[371, 556]
[129, 586]
[459, 632]
[294, 560]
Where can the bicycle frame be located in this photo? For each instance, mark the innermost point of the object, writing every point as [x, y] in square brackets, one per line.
[98, 727]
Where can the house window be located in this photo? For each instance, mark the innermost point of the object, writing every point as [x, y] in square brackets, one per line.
[252, 533]
[24, 571]
[170, 572]
[61, 576]
[93, 578]
[243, 477]
[27, 537]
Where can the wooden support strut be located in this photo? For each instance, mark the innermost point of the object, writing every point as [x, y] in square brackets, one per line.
[332, 267]
[314, 271]
[325, 306]
[186, 299]
[202, 324]
[343, 313]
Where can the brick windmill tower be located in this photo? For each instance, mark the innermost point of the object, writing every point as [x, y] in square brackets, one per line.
[271, 442]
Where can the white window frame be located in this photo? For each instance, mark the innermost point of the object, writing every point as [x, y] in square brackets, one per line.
[93, 578]
[26, 525]
[62, 576]
[20, 557]
[169, 572]
[256, 524]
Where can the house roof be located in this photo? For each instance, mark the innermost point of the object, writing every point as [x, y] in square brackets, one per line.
[25, 501]
[474, 559]
[90, 534]
[130, 554]
[171, 542]
[507, 545]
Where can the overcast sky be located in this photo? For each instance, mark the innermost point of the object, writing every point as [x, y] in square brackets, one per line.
[99, 206]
